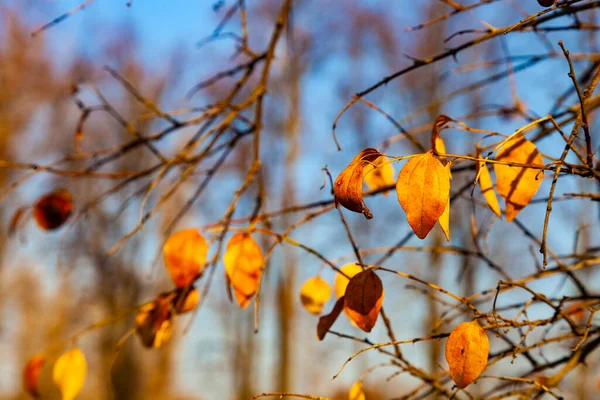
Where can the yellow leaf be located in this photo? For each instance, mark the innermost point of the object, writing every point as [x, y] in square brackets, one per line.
[445, 217]
[518, 185]
[379, 174]
[244, 263]
[69, 373]
[53, 209]
[327, 321]
[364, 297]
[423, 190]
[314, 294]
[487, 187]
[153, 322]
[347, 188]
[182, 305]
[185, 256]
[467, 351]
[341, 282]
[357, 392]
[31, 374]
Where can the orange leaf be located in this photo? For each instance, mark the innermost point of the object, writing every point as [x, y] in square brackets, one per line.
[341, 282]
[53, 209]
[516, 184]
[327, 321]
[347, 188]
[31, 374]
[357, 392]
[153, 323]
[445, 217]
[185, 256]
[314, 294]
[379, 174]
[423, 190]
[487, 187]
[182, 304]
[69, 373]
[467, 351]
[364, 297]
[244, 263]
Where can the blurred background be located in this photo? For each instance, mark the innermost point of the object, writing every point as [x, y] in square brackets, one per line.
[55, 284]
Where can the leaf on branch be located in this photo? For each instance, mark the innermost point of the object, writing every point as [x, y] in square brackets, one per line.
[53, 209]
[244, 263]
[185, 256]
[347, 188]
[315, 292]
[423, 189]
[437, 144]
[341, 282]
[379, 174]
[357, 392]
[467, 351]
[31, 374]
[184, 301]
[518, 185]
[153, 323]
[364, 297]
[69, 373]
[444, 220]
[487, 188]
[327, 321]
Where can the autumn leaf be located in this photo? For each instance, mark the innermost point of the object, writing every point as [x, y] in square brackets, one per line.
[185, 256]
[69, 373]
[53, 209]
[357, 392]
[347, 188]
[518, 185]
[153, 323]
[445, 217]
[487, 188]
[314, 294]
[244, 263]
[327, 321]
[31, 374]
[185, 301]
[423, 189]
[16, 220]
[379, 174]
[467, 351]
[364, 297]
[341, 282]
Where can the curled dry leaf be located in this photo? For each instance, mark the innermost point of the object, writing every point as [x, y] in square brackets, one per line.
[153, 322]
[244, 263]
[379, 174]
[69, 373]
[185, 256]
[518, 185]
[364, 297]
[31, 374]
[487, 188]
[327, 321]
[357, 392]
[341, 282]
[423, 189]
[53, 209]
[314, 294]
[347, 188]
[467, 351]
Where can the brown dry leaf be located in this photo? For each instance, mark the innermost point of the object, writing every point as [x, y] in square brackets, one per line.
[153, 323]
[379, 174]
[341, 282]
[357, 392]
[69, 373]
[185, 256]
[423, 190]
[53, 209]
[244, 263]
[31, 374]
[445, 217]
[184, 302]
[347, 188]
[516, 184]
[487, 188]
[315, 292]
[327, 321]
[364, 297]
[467, 351]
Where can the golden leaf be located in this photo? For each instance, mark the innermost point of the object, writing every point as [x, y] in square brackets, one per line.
[314, 294]
[327, 321]
[445, 217]
[518, 185]
[185, 302]
[69, 373]
[31, 374]
[423, 190]
[347, 188]
[379, 174]
[467, 351]
[153, 323]
[357, 392]
[185, 256]
[364, 297]
[53, 209]
[341, 282]
[244, 263]
[487, 188]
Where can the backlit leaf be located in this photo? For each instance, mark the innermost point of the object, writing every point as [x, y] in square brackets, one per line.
[347, 188]
[244, 263]
[357, 392]
[327, 321]
[153, 323]
[185, 256]
[185, 302]
[423, 188]
[314, 294]
[487, 187]
[518, 185]
[53, 209]
[467, 351]
[364, 297]
[341, 282]
[31, 374]
[69, 373]
[379, 174]
[445, 217]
